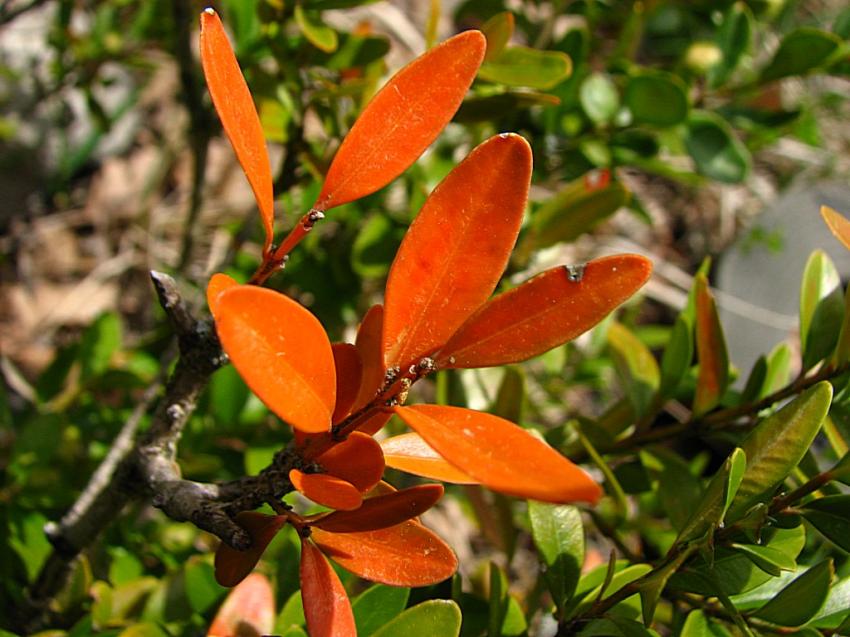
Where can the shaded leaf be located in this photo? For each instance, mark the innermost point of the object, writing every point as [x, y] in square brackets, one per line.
[434, 617]
[831, 516]
[713, 376]
[249, 608]
[799, 52]
[368, 344]
[798, 602]
[522, 66]
[349, 372]
[383, 511]
[232, 566]
[407, 554]
[456, 249]
[716, 151]
[497, 453]
[546, 311]
[559, 537]
[326, 490]
[326, 606]
[656, 98]
[636, 366]
[358, 460]
[409, 453]
[235, 108]
[282, 353]
[676, 359]
[678, 489]
[734, 37]
[434, 84]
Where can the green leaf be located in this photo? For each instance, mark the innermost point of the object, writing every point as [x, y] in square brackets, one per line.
[616, 627]
[100, 341]
[498, 602]
[713, 375]
[498, 31]
[734, 39]
[292, 613]
[522, 66]
[202, 590]
[836, 608]
[319, 34]
[656, 98]
[778, 444]
[636, 367]
[716, 151]
[511, 398]
[228, 394]
[376, 606]
[678, 489]
[559, 537]
[478, 108]
[831, 516]
[821, 308]
[800, 52]
[515, 624]
[755, 381]
[771, 561]
[798, 602]
[778, 370]
[146, 629]
[434, 617]
[321, 5]
[842, 348]
[677, 357]
[599, 98]
[375, 246]
[620, 579]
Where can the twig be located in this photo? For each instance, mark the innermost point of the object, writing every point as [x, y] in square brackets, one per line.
[7, 14]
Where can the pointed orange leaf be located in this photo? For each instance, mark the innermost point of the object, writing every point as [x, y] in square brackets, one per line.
[409, 453]
[402, 119]
[235, 108]
[368, 343]
[358, 460]
[326, 606]
[406, 554]
[713, 372]
[247, 610]
[231, 566]
[218, 283]
[544, 312]
[282, 353]
[383, 511]
[375, 422]
[349, 370]
[500, 455]
[456, 249]
[327, 490]
[838, 224]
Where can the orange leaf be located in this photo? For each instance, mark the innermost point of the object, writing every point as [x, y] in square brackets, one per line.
[408, 452]
[282, 353]
[368, 343]
[406, 554]
[375, 422]
[713, 372]
[349, 370]
[235, 108]
[326, 606]
[247, 610]
[326, 490]
[231, 566]
[358, 460]
[500, 455]
[456, 249]
[547, 311]
[218, 283]
[838, 225]
[402, 119]
[383, 511]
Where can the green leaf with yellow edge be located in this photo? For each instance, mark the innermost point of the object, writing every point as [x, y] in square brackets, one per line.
[636, 366]
[715, 149]
[319, 34]
[777, 445]
[798, 602]
[800, 52]
[522, 66]
[559, 537]
[713, 375]
[821, 308]
[831, 516]
[434, 617]
[498, 31]
[677, 356]
[656, 98]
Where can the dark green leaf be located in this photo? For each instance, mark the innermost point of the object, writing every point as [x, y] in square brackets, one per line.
[831, 516]
[374, 247]
[376, 606]
[755, 381]
[656, 98]
[677, 357]
[488, 107]
[799, 52]
[836, 608]
[716, 151]
[522, 66]
[434, 617]
[798, 602]
[498, 602]
[678, 489]
[559, 537]
[733, 38]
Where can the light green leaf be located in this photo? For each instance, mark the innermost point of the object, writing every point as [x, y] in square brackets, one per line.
[656, 98]
[711, 508]
[778, 370]
[836, 608]
[498, 31]
[319, 34]
[376, 606]
[821, 308]
[716, 151]
[202, 590]
[770, 560]
[801, 51]
[798, 602]
[636, 367]
[100, 341]
[522, 66]
[434, 617]
[599, 98]
[620, 579]
[559, 537]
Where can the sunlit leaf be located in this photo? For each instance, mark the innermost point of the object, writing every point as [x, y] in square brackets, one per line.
[523, 66]
[498, 453]
[768, 559]
[498, 31]
[232, 566]
[821, 308]
[282, 353]
[456, 249]
[713, 359]
[319, 34]
[559, 537]
[238, 114]
[385, 139]
[407, 554]
[326, 606]
[838, 224]
[409, 453]
[430, 618]
[383, 511]
[550, 309]
[358, 460]
[249, 608]
[326, 490]
[349, 373]
[368, 344]
[218, 283]
[376, 606]
[798, 602]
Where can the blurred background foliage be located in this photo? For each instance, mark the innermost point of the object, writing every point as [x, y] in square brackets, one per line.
[662, 127]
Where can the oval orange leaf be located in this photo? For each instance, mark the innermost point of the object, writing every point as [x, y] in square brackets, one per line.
[383, 511]
[552, 308]
[409, 453]
[349, 370]
[368, 343]
[282, 353]
[358, 460]
[500, 455]
[238, 115]
[218, 283]
[247, 610]
[838, 224]
[375, 422]
[403, 118]
[326, 490]
[406, 554]
[231, 566]
[326, 606]
[456, 249]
